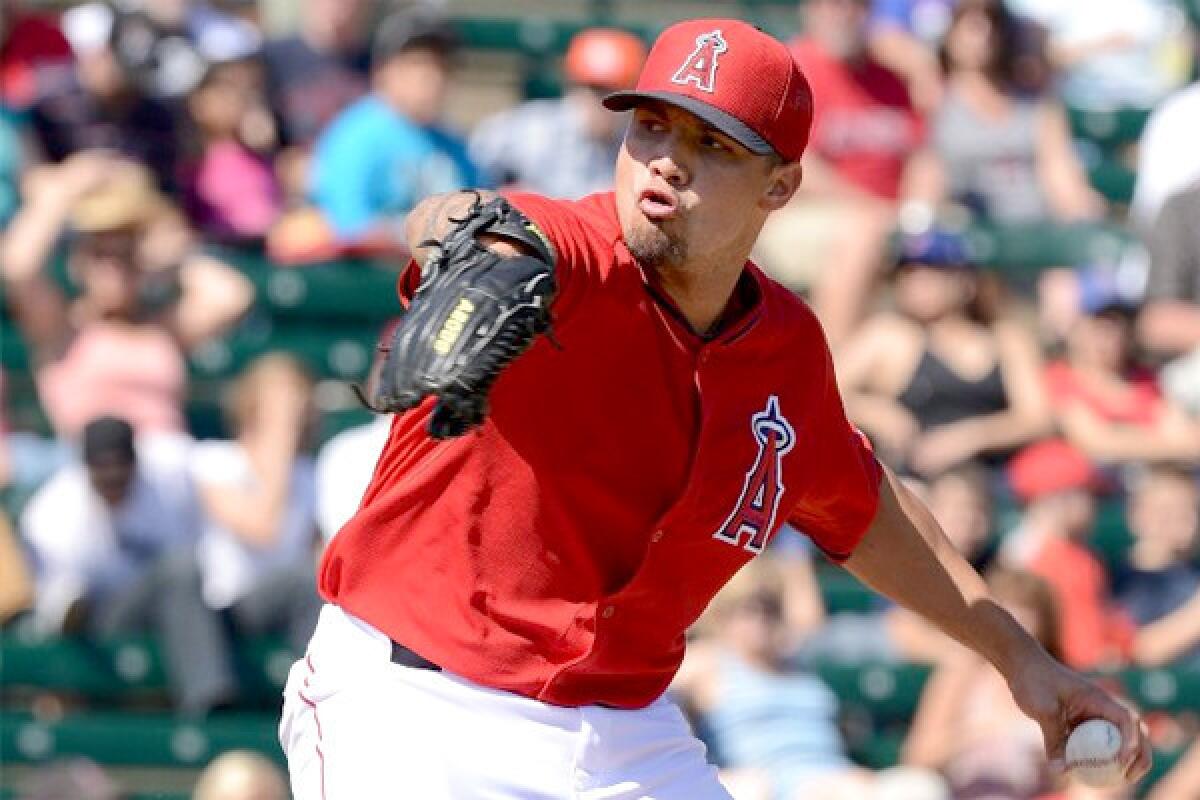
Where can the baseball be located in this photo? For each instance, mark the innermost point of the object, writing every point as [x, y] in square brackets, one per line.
[1093, 750]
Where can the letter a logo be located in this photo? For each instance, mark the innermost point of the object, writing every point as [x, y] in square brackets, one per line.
[754, 514]
[700, 67]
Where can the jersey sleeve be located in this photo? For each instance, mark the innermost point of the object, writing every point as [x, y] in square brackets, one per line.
[841, 484]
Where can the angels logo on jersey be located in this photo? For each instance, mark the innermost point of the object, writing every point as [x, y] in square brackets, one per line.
[700, 67]
[753, 516]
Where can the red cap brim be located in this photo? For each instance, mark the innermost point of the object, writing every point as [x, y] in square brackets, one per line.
[722, 121]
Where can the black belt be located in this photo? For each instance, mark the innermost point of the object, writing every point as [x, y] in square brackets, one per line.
[407, 658]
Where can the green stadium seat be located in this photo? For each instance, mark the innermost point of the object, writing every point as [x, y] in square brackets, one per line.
[1114, 180]
[1172, 689]
[841, 591]
[349, 289]
[118, 670]
[887, 692]
[139, 739]
[1108, 130]
[1022, 251]
[330, 350]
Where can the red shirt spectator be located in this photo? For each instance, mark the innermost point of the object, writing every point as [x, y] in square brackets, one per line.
[1056, 483]
[31, 42]
[1140, 404]
[864, 123]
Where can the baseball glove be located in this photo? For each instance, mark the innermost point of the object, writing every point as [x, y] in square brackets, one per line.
[472, 314]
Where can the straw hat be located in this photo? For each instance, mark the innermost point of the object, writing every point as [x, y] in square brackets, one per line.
[127, 199]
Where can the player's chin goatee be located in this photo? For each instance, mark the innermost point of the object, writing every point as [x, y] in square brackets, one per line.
[654, 248]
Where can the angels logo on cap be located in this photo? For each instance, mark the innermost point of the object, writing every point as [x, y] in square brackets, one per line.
[700, 67]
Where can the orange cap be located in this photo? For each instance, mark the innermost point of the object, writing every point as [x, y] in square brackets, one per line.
[604, 57]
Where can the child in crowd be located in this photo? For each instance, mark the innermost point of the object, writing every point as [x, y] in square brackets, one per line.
[774, 729]
[1161, 590]
[1056, 482]
[233, 193]
[257, 547]
[967, 725]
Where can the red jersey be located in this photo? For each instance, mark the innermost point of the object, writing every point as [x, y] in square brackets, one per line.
[864, 123]
[563, 549]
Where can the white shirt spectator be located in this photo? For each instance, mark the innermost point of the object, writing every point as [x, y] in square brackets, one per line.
[344, 468]
[542, 147]
[1152, 60]
[230, 566]
[81, 546]
[1168, 158]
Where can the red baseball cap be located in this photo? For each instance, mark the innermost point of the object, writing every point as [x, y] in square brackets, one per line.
[739, 80]
[1050, 467]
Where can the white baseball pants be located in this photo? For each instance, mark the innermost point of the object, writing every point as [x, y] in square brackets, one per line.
[356, 726]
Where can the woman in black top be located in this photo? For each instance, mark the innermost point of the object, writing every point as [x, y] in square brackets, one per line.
[940, 381]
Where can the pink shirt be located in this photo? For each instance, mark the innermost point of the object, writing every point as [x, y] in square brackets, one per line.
[235, 191]
[133, 372]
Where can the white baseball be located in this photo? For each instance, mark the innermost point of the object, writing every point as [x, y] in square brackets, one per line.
[1093, 751]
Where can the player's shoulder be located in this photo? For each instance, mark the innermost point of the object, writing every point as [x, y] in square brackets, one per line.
[787, 310]
[592, 218]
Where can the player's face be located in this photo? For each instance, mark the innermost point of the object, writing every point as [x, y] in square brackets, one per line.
[687, 193]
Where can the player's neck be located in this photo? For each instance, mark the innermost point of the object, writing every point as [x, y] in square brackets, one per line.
[700, 292]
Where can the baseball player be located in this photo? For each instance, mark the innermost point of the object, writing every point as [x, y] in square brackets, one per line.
[605, 411]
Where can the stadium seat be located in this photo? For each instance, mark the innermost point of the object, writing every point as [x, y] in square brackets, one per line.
[116, 671]
[134, 738]
[332, 290]
[1108, 130]
[887, 692]
[1022, 251]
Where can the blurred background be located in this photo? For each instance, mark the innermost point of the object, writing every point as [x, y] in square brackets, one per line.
[201, 207]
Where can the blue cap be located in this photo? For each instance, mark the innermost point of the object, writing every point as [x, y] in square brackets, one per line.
[935, 247]
[1100, 292]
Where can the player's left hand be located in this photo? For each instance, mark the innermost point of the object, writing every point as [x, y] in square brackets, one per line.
[1058, 699]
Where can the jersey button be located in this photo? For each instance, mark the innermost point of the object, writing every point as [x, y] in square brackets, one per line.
[608, 612]
[656, 536]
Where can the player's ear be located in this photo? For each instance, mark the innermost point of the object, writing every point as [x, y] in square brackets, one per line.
[782, 183]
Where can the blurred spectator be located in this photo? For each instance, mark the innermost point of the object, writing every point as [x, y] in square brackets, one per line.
[164, 44]
[232, 193]
[1183, 780]
[1056, 484]
[386, 152]
[69, 779]
[113, 542]
[1161, 591]
[775, 731]
[832, 236]
[1006, 153]
[1168, 160]
[905, 36]
[314, 74]
[1170, 322]
[565, 147]
[344, 469]
[241, 775]
[16, 584]
[10, 170]
[257, 555]
[30, 43]
[967, 725]
[1114, 54]
[944, 379]
[1104, 403]
[960, 500]
[117, 348]
[98, 106]
[347, 461]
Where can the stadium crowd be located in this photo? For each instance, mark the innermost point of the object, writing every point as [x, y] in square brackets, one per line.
[143, 142]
